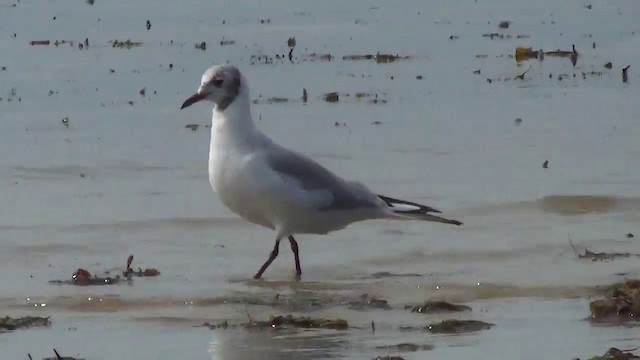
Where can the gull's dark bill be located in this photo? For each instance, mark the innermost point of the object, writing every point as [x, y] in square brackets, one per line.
[193, 99]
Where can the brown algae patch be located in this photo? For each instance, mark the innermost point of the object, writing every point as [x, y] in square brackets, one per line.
[621, 303]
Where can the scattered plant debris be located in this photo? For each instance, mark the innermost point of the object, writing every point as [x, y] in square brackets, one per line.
[148, 25]
[65, 122]
[331, 97]
[621, 303]
[9, 324]
[523, 54]
[608, 65]
[545, 164]
[504, 24]
[521, 76]
[630, 235]
[193, 127]
[379, 58]
[148, 272]
[600, 256]
[388, 357]
[625, 74]
[366, 302]
[437, 307]
[315, 56]
[83, 277]
[357, 57]
[299, 322]
[128, 44]
[616, 354]
[572, 55]
[407, 347]
[40, 42]
[518, 121]
[272, 100]
[386, 274]
[224, 42]
[496, 35]
[304, 95]
[58, 357]
[458, 326]
[201, 46]
[291, 43]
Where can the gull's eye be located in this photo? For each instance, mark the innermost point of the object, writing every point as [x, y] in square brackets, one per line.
[217, 82]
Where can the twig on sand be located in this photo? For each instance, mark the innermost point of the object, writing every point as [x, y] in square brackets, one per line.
[521, 76]
[599, 256]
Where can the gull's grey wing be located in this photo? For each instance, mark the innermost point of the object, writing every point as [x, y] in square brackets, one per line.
[313, 176]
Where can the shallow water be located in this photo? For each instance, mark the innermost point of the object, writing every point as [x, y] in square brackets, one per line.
[131, 179]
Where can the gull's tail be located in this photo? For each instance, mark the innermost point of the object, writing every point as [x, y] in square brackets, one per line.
[410, 210]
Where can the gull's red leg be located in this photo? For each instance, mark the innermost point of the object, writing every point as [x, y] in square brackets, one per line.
[294, 248]
[272, 256]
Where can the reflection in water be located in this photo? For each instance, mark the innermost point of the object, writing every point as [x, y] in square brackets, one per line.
[564, 205]
[268, 344]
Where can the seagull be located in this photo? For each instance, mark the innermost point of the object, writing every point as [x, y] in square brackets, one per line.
[269, 185]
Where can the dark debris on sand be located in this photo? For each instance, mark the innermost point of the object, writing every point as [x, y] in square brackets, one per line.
[453, 326]
[8, 323]
[616, 354]
[285, 322]
[437, 307]
[599, 256]
[83, 277]
[58, 357]
[301, 322]
[406, 347]
[127, 44]
[366, 303]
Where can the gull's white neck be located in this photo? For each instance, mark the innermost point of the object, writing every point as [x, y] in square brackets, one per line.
[233, 128]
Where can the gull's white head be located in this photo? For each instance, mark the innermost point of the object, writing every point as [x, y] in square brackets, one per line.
[220, 84]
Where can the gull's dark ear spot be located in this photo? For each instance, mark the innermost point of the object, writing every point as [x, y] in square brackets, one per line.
[217, 82]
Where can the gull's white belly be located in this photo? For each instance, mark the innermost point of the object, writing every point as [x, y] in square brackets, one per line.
[227, 181]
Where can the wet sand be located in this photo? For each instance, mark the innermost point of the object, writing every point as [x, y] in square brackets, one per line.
[122, 175]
